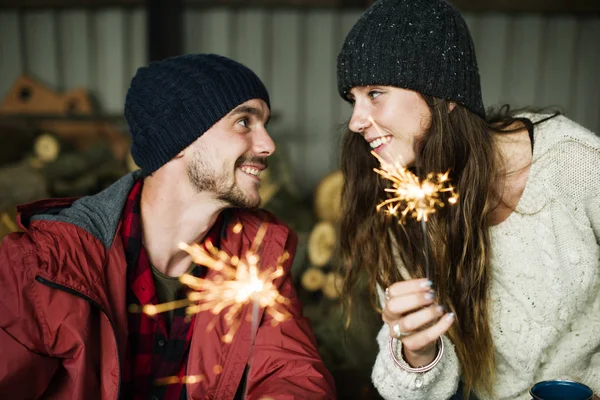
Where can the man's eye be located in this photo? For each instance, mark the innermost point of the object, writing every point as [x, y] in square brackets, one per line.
[243, 122]
[374, 93]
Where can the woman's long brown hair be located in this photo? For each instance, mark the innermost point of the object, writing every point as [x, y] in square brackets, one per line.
[462, 143]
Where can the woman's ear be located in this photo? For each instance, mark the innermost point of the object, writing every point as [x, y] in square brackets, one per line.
[451, 106]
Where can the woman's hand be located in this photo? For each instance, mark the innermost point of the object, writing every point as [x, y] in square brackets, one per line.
[415, 319]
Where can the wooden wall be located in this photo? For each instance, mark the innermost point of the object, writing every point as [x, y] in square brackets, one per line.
[525, 59]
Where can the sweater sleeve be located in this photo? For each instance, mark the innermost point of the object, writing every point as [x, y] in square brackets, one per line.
[593, 213]
[592, 204]
[592, 376]
[392, 382]
[578, 162]
[441, 382]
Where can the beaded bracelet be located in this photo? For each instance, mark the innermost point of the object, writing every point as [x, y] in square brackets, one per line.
[404, 365]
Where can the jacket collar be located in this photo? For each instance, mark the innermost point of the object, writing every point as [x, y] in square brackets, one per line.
[99, 214]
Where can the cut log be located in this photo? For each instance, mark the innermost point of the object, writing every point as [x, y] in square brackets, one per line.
[85, 134]
[321, 244]
[328, 197]
[47, 147]
[333, 285]
[21, 183]
[75, 164]
[90, 182]
[297, 214]
[268, 187]
[17, 138]
[8, 223]
[313, 279]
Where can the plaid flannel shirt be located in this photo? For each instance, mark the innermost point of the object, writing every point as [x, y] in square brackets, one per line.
[153, 351]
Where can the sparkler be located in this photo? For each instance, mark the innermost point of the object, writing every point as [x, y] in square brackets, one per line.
[420, 198]
[415, 198]
[243, 283]
[239, 282]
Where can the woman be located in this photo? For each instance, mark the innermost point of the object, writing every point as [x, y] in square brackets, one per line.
[515, 296]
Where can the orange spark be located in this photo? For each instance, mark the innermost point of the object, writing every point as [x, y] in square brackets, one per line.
[417, 198]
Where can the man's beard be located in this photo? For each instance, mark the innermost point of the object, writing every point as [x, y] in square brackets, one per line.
[205, 179]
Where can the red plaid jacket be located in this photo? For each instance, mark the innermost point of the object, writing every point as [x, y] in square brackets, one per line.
[63, 311]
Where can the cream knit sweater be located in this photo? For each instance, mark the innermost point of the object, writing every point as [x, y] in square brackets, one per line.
[545, 289]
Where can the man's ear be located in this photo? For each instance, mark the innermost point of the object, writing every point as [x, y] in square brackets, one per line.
[451, 106]
[180, 154]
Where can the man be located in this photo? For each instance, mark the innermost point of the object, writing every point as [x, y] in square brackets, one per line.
[198, 125]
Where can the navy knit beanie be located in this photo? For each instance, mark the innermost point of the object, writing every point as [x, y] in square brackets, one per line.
[171, 103]
[421, 45]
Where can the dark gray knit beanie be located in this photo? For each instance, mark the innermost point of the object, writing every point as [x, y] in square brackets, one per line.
[170, 103]
[421, 45]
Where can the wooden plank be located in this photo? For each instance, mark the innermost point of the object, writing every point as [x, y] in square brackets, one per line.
[553, 6]
[74, 49]
[193, 30]
[41, 47]
[473, 21]
[320, 102]
[555, 78]
[137, 41]
[586, 87]
[11, 51]
[269, 3]
[164, 28]
[491, 48]
[110, 59]
[217, 31]
[344, 109]
[523, 60]
[250, 41]
[473, 24]
[285, 86]
[69, 3]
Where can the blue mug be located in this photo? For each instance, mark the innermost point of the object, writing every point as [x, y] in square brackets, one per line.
[560, 390]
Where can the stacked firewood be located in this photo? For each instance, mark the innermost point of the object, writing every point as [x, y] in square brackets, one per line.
[321, 275]
[55, 145]
[346, 352]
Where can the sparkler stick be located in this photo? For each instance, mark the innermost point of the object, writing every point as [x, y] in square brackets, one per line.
[425, 247]
[255, 309]
[419, 198]
[248, 284]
